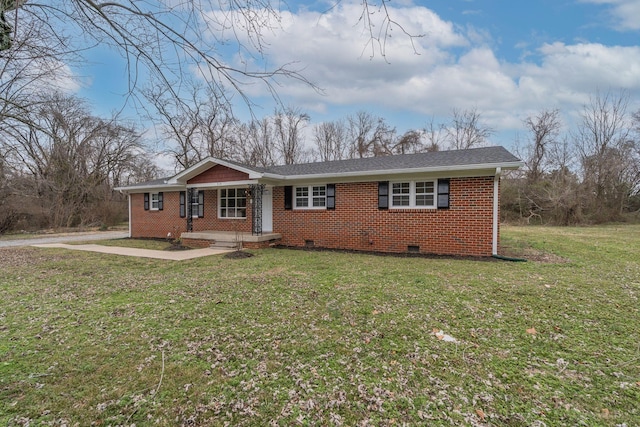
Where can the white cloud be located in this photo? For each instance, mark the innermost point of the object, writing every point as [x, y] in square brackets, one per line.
[625, 13]
[454, 67]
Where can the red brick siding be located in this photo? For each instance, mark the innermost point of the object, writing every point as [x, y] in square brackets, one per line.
[218, 173]
[357, 223]
[159, 223]
[156, 223]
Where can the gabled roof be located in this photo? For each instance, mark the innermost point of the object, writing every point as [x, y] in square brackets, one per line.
[475, 159]
[208, 163]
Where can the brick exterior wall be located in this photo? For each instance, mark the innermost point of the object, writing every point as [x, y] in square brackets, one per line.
[219, 173]
[158, 223]
[356, 223]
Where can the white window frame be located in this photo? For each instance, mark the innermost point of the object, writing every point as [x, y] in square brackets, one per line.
[235, 208]
[310, 196]
[195, 203]
[154, 201]
[413, 194]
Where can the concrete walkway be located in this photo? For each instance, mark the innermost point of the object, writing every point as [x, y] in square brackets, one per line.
[143, 253]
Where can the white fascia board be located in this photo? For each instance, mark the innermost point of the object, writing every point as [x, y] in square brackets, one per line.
[447, 171]
[149, 188]
[206, 164]
[227, 184]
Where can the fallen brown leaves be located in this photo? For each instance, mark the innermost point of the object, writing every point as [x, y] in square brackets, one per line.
[24, 257]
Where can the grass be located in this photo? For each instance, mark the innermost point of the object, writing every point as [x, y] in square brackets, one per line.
[323, 338]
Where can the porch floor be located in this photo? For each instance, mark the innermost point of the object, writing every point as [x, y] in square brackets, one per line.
[230, 236]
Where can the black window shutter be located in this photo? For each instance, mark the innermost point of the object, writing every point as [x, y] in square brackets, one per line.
[160, 201]
[183, 204]
[443, 194]
[288, 197]
[383, 195]
[331, 196]
[201, 204]
[146, 201]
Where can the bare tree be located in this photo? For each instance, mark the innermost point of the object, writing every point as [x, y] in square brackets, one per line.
[68, 161]
[466, 130]
[361, 130]
[369, 135]
[544, 129]
[606, 151]
[257, 147]
[331, 140]
[288, 127]
[219, 130]
[379, 23]
[8, 211]
[167, 40]
[195, 129]
[407, 143]
[6, 31]
[178, 127]
[435, 136]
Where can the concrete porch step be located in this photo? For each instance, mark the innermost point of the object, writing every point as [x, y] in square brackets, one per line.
[228, 239]
[217, 244]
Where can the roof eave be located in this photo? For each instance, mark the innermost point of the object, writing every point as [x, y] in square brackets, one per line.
[145, 188]
[396, 172]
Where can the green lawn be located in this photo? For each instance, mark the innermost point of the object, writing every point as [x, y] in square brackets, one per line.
[324, 338]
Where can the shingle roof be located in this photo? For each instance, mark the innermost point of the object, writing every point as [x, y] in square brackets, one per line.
[437, 159]
[484, 157]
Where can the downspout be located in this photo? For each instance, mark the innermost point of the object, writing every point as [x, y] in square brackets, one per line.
[496, 219]
[129, 201]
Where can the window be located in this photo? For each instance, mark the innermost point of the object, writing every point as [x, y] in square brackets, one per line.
[311, 197]
[401, 194]
[302, 197]
[183, 204]
[153, 201]
[233, 203]
[413, 194]
[424, 193]
[195, 203]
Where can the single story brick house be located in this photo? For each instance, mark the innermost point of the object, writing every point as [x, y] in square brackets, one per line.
[444, 202]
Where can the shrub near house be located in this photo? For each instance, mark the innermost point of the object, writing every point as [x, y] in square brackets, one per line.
[439, 203]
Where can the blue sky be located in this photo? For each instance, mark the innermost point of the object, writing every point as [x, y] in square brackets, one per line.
[507, 59]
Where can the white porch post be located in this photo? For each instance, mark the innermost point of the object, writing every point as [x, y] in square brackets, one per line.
[496, 219]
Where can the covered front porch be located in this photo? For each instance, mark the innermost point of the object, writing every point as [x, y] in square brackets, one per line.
[229, 239]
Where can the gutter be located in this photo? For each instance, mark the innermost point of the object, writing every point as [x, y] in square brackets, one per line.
[402, 171]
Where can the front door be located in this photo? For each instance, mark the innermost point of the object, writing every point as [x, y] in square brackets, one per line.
[267, 210]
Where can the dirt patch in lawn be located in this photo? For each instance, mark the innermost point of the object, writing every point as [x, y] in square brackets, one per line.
[177, 248]
[238, 255]
[532, 254]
